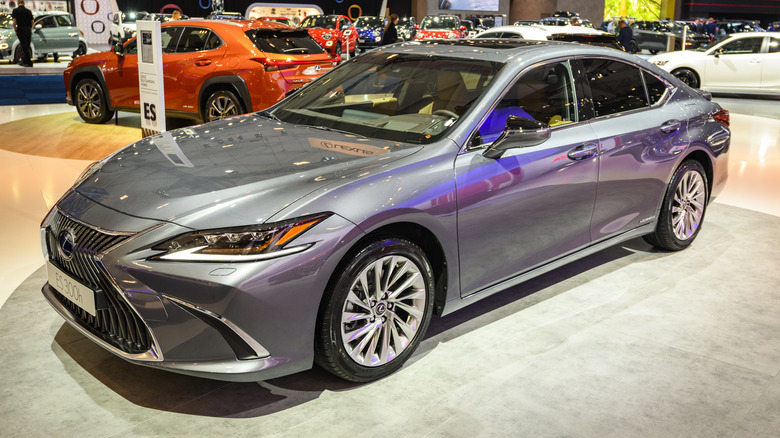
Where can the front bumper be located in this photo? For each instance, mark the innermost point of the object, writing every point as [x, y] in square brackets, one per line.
[225, 321]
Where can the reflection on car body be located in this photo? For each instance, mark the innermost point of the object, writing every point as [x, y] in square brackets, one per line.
[412, 180]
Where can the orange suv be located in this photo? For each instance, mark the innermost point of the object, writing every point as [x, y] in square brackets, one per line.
[212, 70]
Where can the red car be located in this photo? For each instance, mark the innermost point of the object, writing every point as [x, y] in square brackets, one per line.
[334, 32]
[212, 70]
[440, 27]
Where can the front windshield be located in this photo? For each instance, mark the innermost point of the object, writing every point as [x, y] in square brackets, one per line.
[369, 22]
[408, 98]
[319, 22]
[443, 23]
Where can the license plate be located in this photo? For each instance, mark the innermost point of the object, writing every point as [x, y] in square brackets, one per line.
[362, 40]
[72, 289]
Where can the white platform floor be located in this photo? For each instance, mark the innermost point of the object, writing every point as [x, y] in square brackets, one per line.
[627, 343]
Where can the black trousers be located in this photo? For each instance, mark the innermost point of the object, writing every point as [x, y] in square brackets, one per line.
[25, 37]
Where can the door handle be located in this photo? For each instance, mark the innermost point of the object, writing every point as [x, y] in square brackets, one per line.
[583, 152]
[202, 61]
[670, 126]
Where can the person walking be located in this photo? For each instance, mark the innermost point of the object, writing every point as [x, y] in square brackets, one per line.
[23, 22]
[391, 33]
[625, 35]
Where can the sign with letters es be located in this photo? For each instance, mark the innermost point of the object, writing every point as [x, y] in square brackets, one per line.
[150, 77]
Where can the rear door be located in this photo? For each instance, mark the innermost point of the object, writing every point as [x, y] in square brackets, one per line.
[640, 138]
[194, 59]
[770, 68]
[736, 64]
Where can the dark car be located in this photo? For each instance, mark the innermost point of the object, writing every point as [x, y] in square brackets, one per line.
[653, 36]
[726, 28]
[370, 30]
[606, 40]
[406, 28]
[413, 180]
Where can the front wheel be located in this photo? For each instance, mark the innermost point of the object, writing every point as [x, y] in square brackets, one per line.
[634, 47]
[376, 312]
[682, 211]
[91, 102]
[687, 76]
[221, 104]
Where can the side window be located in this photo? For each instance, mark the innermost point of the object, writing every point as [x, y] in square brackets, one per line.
[774, 45]
[213, 41]
[743, 45]
[656, 88]
[63, 20]
[615, 86]
[47, 22]
[544, 93]
[193, 39]
[131, 48]
[170, 37]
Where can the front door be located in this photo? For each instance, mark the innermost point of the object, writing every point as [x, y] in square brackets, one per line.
[532, 204]
[736, 64]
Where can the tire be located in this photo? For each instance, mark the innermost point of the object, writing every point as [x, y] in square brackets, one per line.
[82, 50]
[634, 47]
[365, 333]
[18, 54]
[337, 51]
[221, 104]
[91, 102]
[682, 212]
[687, 76]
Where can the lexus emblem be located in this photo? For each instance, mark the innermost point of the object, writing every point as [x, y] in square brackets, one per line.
[65, 244]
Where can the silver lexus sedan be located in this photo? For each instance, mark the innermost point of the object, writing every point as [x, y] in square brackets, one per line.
[411, 181]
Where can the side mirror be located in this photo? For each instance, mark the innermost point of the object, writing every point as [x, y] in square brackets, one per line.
[119, 49]
[520, 132]
[718, 52]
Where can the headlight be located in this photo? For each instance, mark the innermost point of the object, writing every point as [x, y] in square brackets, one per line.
[89, 171]
[378, 39]
[660, 63]
[327, 36]
[376, 32]
[3, 46]
[239, 244]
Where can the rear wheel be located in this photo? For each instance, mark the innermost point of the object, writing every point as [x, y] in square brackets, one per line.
[634, 47]
[376, 312]
[82, 50]
[221, 104]
[687, 76]
[683, 208]
[18, 54]
[91, 102]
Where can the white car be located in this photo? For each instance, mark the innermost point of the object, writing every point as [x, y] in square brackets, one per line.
[746, 63]
[535, 32]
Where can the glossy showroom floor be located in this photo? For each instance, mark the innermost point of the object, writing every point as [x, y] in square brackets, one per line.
[627, 343]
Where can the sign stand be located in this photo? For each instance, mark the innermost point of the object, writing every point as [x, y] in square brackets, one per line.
[150, 77]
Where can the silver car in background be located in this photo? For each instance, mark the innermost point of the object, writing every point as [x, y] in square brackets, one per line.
[410, 181]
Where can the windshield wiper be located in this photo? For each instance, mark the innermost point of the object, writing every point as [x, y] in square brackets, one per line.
[269, 115]
[341, 131]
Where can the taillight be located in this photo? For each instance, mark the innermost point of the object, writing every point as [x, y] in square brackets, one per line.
[722, 116]
[276, 64]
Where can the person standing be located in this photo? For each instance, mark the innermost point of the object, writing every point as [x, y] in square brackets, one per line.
[712, 29]
[23, 22]
[625, 35]
[391, 33]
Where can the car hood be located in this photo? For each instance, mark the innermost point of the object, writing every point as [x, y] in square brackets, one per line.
[318, 33]
[233, 172]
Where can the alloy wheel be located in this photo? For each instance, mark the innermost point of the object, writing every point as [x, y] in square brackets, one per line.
[222, 106]
[88, 100]
[383, 310]
[688, 205]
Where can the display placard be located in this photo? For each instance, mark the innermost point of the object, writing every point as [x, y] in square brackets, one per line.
[150, 77]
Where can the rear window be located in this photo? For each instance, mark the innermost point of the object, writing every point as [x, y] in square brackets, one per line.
[290, 42]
